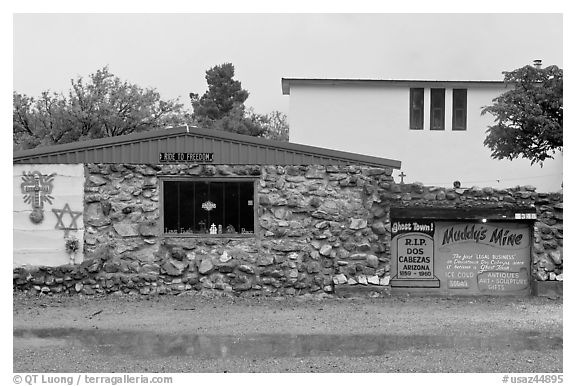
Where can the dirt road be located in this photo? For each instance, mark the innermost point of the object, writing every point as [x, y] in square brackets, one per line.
[229, 334]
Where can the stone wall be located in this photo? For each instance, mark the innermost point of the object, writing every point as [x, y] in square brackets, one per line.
[320, 227]
[316, 229]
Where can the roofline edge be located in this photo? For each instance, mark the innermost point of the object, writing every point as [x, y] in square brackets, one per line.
[343, 156]
[286, 82]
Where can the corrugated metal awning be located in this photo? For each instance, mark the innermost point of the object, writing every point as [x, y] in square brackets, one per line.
[225, 147]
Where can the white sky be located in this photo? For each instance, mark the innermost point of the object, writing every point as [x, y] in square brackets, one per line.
[171, 52]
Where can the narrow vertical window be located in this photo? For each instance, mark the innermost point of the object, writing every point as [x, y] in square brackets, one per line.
[459, 102]
[416, 108]
[437, 109]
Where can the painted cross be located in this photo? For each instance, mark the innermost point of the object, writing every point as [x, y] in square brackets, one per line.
[60, 223]
[37, 188]
[402, 175]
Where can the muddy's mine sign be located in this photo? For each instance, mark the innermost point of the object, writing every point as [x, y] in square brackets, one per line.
[461, 258]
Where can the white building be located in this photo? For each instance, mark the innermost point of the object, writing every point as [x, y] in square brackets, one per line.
[434, 127]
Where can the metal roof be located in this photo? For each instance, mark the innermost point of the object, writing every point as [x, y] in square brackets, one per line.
[288, 82]
[227, 148]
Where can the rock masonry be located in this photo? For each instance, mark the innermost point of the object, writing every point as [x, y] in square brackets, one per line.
[320, 227]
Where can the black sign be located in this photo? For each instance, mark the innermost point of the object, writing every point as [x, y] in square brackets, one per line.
[186, 157]
[399, 226]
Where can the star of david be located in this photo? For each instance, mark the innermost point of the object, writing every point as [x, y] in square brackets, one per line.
[60, 215]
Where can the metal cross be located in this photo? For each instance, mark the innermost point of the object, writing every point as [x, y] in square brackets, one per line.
[402, 175]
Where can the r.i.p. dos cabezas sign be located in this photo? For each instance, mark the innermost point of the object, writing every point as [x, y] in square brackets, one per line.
[413, 244]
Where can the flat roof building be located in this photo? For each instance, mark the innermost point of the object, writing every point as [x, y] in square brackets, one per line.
[436, 127]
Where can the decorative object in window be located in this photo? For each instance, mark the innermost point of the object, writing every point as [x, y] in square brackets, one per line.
[208, 206]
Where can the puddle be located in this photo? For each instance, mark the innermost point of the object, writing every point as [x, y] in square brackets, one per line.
[151, 344]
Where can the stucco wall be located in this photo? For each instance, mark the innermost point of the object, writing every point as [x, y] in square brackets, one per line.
[374, 120]
[319, 228]
[43, 243]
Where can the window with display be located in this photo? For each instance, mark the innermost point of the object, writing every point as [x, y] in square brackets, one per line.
[215, 207]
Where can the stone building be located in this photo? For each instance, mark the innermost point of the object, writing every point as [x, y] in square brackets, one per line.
[178, 210]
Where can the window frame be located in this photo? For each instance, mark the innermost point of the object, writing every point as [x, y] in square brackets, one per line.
[433, 108]
[254, 181]
[465, 109]
[412, 124]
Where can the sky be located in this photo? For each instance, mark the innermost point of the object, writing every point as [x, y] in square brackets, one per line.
[171, 52]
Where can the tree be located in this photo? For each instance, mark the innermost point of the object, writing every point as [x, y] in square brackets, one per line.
[38, 122]
[529, 116]
[236, 121]
[222, 107]
[275, 125]
[224, 94]
[103, 106]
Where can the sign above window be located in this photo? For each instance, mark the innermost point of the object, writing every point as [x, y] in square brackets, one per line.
[186, 157]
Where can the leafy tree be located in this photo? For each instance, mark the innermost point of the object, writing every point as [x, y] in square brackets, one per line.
[38, 122]
[236, 121]
[275, 125]
[103, 106]
[529, 116]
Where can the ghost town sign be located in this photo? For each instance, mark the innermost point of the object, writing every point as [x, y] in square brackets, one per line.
[461, 258]
[186, 157]
[414, 245]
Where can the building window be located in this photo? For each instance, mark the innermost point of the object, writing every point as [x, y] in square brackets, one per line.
[201, 207]
[437, 109]
[459, 102]
[416, 108]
